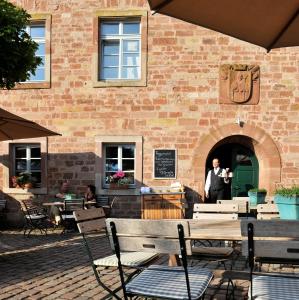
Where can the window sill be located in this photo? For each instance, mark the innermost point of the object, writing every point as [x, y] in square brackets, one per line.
[118, 83]
[33, 85]
[38, 191]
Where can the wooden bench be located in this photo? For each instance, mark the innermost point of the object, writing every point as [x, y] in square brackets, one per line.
[271, 241]
[267, 211]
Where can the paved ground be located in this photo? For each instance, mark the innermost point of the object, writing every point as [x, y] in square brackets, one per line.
[56, 267]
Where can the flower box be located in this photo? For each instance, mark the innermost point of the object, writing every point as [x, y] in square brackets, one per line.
[116, 186]
[256, 196]
[287, 201]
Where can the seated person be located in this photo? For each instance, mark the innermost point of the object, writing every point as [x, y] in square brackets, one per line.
[64, 189]
[54, 210]
[90, 194]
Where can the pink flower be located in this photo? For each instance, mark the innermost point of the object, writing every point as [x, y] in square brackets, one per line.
[119, 174]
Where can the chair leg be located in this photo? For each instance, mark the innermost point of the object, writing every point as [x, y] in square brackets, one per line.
[112, 293]
[232, 294]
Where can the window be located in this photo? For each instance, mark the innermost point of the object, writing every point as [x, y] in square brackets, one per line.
[119, 157]
[37, 31]
[40, 31]
[27, 158]
[120, 50]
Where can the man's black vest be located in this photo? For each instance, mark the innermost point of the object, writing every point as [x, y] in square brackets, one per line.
[217, 182]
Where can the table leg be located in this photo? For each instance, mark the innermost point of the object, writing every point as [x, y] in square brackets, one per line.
[174, 260]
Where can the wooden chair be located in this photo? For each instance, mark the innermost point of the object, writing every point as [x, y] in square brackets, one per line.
[267, 211]
[223, 211]
[103, 201]
[2, 204]
[67, 213]
[35, 217]
[91, 223]
[157, 281]
[242, 202]
[2, 213]
[206, 250]
[283, 247]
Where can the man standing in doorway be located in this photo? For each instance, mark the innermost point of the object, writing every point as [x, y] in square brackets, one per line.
[215, 182]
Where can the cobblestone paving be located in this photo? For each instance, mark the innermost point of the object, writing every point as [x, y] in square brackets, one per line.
[57, 267]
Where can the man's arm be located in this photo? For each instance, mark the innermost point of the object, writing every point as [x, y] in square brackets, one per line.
[225, 178]
[208, 184]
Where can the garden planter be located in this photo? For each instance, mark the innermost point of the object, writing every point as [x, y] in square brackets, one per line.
[288, 206]
[115, 186]
[256, 198]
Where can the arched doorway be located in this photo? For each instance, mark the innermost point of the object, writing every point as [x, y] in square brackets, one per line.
[250, 136]
[242, 161]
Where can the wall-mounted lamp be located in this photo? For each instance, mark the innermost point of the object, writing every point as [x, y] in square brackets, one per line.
[239, 122]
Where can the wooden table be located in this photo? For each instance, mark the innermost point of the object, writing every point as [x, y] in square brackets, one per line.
[56, 203]
[224, 230]
[220, 230]
[61, 203]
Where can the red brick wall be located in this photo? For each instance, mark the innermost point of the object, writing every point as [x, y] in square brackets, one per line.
[178, 107]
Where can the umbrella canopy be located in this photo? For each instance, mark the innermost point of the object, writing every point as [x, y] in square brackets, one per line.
[267, 23]
[13, 127]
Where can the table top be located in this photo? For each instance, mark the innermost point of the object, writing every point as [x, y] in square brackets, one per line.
[229, 230]
[61, 203]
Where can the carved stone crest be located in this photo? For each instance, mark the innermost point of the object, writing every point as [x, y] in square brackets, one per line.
[239, 84]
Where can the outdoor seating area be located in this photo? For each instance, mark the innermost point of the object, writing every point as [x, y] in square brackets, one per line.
[149, 150]
[55, 265]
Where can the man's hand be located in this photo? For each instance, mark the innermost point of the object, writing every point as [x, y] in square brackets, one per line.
[207, 195]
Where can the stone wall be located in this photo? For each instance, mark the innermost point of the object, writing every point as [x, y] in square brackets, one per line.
[178, 108]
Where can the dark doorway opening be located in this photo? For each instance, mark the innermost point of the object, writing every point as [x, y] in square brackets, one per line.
[242, 162]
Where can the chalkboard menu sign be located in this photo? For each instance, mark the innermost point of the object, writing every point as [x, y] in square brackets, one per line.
[164, 163]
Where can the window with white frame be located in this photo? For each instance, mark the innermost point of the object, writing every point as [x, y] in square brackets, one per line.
[120, 50]
[37, 31]
[119, 157]
[27, 159]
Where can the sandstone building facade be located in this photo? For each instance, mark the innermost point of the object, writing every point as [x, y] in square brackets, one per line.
[118, 83]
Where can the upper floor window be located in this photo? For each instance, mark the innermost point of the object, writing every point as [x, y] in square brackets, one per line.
[37, 31]
[120, 50]
[27, 159]
[119, 157]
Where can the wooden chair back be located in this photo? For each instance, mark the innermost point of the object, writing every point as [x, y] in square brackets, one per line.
[2, 204]
[220, 211]
[241, 199]
[158, 236]
[73, 205]
[243, 203]
[30, 208]
[102, 200]
[267, 211]
[272, 238]
[90, 220]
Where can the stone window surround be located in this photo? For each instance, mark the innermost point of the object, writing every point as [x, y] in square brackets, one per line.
[35, 17]
[8, 166]
[117, 139]
[96, 55]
